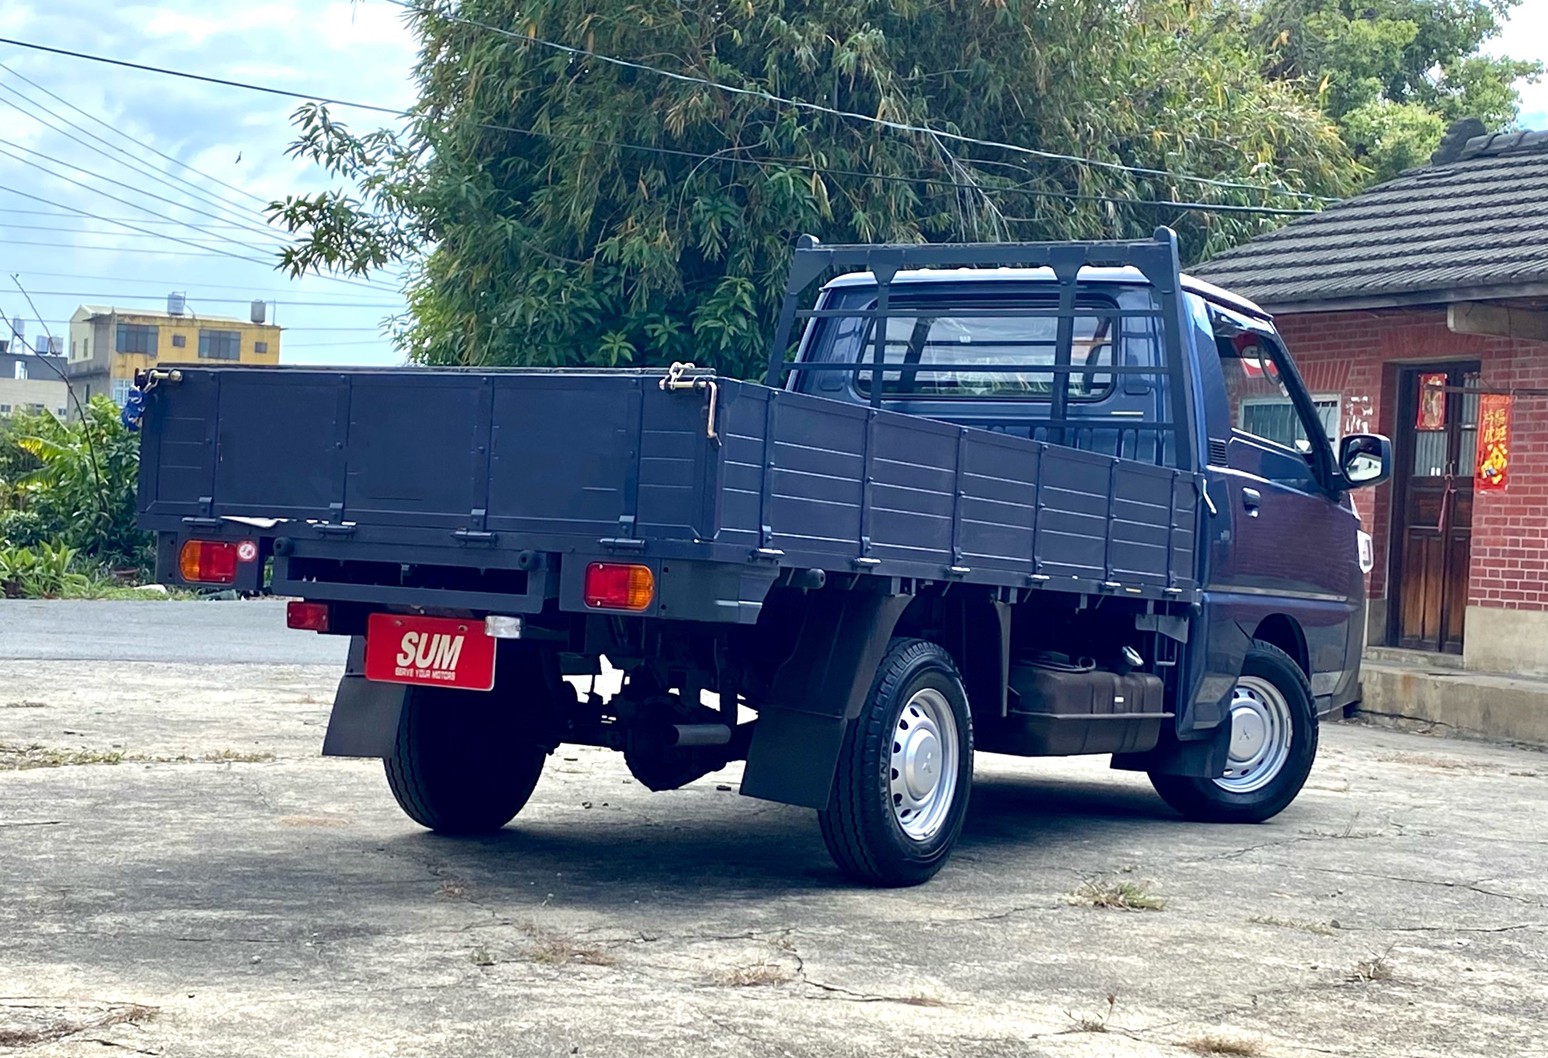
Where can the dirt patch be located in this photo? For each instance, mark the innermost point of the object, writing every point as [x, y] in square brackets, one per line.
[51, 1023]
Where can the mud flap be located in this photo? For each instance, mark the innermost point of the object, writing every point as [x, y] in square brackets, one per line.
[364, 721]
[815, 693]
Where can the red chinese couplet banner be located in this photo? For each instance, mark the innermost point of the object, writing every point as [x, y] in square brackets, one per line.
[1493, 441]
[1431, 413]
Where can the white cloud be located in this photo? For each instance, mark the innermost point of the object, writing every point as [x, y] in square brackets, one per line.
[354, 49]
[1525, 36]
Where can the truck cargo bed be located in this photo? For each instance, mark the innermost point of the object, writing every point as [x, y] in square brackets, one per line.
[477, 465]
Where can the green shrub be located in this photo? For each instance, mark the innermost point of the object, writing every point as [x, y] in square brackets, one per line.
[23, 528]
[81, 492]
[45, 571]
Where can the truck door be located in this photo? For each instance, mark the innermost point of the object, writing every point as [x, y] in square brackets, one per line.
[1290, 547]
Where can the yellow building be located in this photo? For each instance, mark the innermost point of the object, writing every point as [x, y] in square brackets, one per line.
[108, 345]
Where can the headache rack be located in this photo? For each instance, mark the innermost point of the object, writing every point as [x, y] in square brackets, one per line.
[1156, 259]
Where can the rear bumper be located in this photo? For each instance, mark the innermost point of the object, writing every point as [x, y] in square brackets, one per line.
[479, 578]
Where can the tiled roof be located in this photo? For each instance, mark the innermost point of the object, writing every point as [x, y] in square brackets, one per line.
[1472, 218]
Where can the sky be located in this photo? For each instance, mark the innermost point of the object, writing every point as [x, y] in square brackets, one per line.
[105, 150]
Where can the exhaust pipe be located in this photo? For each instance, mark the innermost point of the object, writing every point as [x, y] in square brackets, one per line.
[701, 734]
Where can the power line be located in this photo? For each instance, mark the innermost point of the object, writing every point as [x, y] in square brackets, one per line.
[201, 77]
[134, 251]
[119, 132]
[1190, 206]
[899, 126]
[203, 250]
[157, 282]
[82, 231]
[223, 205]
[131, 227]
[201, 299]
[115, 220]
[137, 190]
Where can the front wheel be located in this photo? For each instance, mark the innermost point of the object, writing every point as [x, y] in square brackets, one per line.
[1273, 745]
[462, 763]
[900, 793]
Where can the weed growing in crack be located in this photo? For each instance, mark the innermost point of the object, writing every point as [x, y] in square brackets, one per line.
[1319, 928]
[556, 949]
[1376, 968]
[1098, 1023]
[763, 975]
[1213, 1044]
[1117, 895]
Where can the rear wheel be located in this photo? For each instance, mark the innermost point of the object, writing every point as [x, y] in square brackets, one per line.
[462, 764]
[1273, 746]
[901, 790]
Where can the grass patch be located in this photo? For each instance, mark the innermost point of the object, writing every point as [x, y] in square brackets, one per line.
[1430, 760]
[1213, 1044]
[129, 1014]
[556, 949]
[1117, 895]
[1319, 928]
[1376, 968]
[763, 975]
[17, 757]
[222, 756]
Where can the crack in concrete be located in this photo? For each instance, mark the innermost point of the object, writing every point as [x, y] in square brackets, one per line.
[1476, 887]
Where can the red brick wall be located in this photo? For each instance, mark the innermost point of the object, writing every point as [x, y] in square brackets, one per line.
[1355, 355]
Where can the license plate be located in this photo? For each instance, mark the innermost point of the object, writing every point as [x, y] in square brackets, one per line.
[429, 651]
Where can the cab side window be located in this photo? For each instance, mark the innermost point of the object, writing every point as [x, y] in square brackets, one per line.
[1271, 436]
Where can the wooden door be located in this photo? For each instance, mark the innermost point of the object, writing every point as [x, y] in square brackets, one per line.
[1432, 533]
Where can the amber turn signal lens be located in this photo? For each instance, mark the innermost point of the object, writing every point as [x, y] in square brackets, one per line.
[207, 562]
[619, 586]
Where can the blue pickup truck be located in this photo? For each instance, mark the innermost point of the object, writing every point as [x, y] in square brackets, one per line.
[1036, 499]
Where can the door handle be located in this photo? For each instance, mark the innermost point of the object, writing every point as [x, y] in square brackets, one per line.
[1252, 499]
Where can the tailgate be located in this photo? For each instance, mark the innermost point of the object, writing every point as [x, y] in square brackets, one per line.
[593, 454]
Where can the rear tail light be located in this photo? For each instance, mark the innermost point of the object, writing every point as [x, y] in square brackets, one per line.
[307, 616]
[619, 586]
[207, 562]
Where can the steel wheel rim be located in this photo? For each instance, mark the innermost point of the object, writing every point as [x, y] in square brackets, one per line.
[1261, 734]
[925, 755]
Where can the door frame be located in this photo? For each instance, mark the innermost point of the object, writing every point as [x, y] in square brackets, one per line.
[1406, 438]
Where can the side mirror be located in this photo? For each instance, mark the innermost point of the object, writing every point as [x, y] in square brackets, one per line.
[1365, 459]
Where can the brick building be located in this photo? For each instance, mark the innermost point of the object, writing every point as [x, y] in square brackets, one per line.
[1419, 309]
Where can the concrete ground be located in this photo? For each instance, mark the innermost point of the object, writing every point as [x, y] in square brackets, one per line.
[183, 875]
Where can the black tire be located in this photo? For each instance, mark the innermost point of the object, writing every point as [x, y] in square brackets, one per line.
[460, 764]
[860, 826]
[1207, 800]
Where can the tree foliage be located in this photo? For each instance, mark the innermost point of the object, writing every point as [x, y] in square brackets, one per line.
[574, 211]
[559, 209]
[1392, 73]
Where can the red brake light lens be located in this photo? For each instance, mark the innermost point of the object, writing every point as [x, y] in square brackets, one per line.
[619, 586]
[307, 616]
[207, 562]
